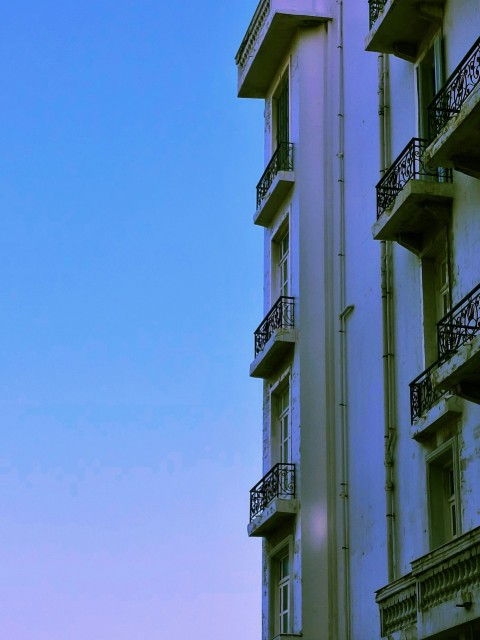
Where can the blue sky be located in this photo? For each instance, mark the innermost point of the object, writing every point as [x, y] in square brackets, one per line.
[130, 288]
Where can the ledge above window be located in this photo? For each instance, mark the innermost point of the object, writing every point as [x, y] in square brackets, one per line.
[268, 39]
[402, 27]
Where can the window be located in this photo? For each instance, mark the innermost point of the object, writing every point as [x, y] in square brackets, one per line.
[281, 114]
[436, 292]
[281, 263]
[429, 81]
[443, 494]
[284, 593]
[283, 424]
[281, 591]
[281, 429]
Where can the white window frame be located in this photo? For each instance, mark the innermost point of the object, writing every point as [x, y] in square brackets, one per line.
[277, 584]
[277, 415]
[280, 281]
[443, 491]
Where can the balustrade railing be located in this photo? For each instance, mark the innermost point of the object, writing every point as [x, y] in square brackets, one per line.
[282, 160]
[407, 166]
[279, 482]
[436, 578]
[253, 31]
[461, 324]
[376, 7]
[280, 316]
[423, 395]
[452, 95]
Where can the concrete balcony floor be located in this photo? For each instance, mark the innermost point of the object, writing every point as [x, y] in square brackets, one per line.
[278, 191]
[268, 40]
[274, 514]
[421, 205]
[403, 27]
[458, 144]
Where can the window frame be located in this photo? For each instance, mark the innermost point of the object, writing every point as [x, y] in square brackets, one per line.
[443, 468]
[277, 582]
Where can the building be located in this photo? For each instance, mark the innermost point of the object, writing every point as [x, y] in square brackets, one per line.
[369, 347]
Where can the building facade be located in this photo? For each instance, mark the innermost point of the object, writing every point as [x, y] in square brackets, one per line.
[369, 347]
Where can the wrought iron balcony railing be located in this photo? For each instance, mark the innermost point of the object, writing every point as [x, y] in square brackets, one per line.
[282, 160]
[461, 324]
[452, 95]
[409, 165]
[279, 482]
[280, 316]
[423, 395]
[376, 7]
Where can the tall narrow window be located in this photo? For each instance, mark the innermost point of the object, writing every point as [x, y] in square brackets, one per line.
[284, 594]
[283, 264]
[429, 79]
[282, 133]
[436, 292]
[443, 494]
[283, 406]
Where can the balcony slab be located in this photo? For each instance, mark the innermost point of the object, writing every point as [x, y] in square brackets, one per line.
[420, 206]
[403, 27]
[444, 411]
[278, 191]
[276, 348]
[275, 513]
[458, 143]
[268, 39]
[461, 372]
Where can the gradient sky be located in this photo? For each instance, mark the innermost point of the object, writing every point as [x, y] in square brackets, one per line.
[130, 287]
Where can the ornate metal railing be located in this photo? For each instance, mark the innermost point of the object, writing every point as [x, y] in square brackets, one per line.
[456, 90]
[423, 395]
[280, 316]
[282, 160]
[279, 482]
[254, 28]
[376, 7]
[461, 324]
[407, 166]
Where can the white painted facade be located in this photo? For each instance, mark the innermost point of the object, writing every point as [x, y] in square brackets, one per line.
[370, 517]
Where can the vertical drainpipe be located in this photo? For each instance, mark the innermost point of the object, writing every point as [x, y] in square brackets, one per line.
[387, 332]
[345, 311]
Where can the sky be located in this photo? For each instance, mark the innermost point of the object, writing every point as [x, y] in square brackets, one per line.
[130, 287]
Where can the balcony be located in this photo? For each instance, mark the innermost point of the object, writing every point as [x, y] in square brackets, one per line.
[454, 118]
[412, 198]
[458, 335]
[268, 39]
[423, 395]
[442, 591]
[272, 500]
[274, 337]
[430, 406]
[275, 183]
[402, 27]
